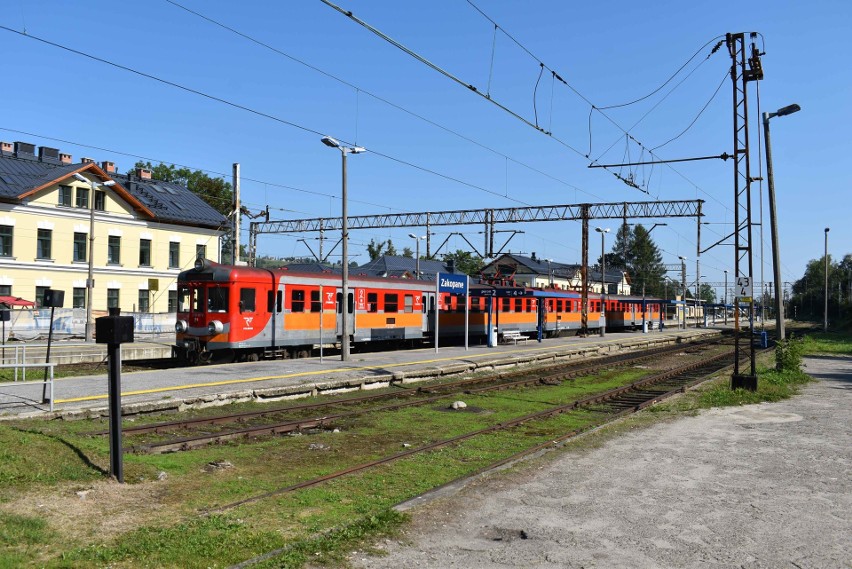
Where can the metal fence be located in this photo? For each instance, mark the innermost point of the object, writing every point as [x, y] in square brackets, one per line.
[34, 324]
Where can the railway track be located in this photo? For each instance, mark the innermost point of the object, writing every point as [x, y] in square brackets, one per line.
[609, 406]
[415, 396]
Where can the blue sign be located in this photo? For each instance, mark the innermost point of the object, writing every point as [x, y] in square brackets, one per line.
[456, 284]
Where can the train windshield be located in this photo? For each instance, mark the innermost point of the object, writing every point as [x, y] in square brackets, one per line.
[217, 299]
[184, 298]
[190, 298]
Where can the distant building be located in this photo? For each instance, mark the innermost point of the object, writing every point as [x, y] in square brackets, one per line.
[404, 268]
[145, 231]
[542, 273]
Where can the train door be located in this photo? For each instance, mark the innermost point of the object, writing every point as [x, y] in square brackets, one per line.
[424, 312]
[275, 308]
[350, 313]
[429, 307]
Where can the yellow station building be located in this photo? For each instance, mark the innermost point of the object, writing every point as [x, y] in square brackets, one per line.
[145, 232]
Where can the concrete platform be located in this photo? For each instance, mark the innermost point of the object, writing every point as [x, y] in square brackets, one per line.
[212, 385]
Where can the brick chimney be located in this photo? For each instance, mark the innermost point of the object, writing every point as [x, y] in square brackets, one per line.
[109, 167]
[143, 173]
[65, 158]
[6, 147]
[85, 160]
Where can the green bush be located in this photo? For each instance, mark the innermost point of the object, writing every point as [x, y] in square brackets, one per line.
[789, 353]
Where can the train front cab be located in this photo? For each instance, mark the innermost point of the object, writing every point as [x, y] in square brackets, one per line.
[220, 310]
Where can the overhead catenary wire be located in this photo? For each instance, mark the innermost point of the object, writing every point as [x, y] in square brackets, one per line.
[248, 109]
[592, 106]
[379, 98]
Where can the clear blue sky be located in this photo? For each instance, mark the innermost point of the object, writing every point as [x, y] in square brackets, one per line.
[480, 156]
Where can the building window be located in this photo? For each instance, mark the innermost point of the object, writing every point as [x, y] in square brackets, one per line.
[39, 295]
[80, 247]
[174, 255]
[201, 251]
[112, 298]
[82, 198]
[144, 252]
[45, 238]
[114, 250]
[65, 196]
[5, 290]
[144, 301]
[6, 240]
[173, 301]
[100, 201]
[79, 300]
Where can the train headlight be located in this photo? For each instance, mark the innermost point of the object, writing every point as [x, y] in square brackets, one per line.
[181, 326]
[215, 327]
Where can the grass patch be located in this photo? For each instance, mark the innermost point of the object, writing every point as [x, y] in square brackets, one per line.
[163, 523]
[828, 343]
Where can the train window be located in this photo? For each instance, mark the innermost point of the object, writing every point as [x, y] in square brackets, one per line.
[519, 304]
[270, 301]
[297, 300]
[279, 301]
[505, 304]
[315, 301]
[409, 304]
[183, 299]
[217, 300]
[391, 302]
[339, 302]
[247, 300]
[423, 303]
[461, 303]
[474, 304]
[530, 305]
[372, 302]
[351, 304]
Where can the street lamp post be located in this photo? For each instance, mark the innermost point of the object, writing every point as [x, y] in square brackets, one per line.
[344, 229]
[90, 281]
[683, 287]
[416, 253]
[825, 313]
[773, 222]
[603, 232]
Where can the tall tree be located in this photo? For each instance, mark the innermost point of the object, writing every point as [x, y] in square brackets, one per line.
[375, 248]
[621, 249]
[465, 261]
[707, 293]
[635, 252]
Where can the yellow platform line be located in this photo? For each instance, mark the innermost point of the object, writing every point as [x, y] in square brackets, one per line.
[300, 374]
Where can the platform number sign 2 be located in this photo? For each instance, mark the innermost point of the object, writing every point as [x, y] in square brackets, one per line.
[744, 288]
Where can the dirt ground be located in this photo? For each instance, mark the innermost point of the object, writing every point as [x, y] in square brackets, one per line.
[760, 486]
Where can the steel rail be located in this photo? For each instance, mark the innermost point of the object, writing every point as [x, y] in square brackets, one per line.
[556, 410]
[618, 359]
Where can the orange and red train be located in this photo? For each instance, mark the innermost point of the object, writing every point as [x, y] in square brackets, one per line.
[244, 313]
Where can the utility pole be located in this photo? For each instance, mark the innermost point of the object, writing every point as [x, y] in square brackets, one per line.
[825, 313]
[683, 287]
[235, 256]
